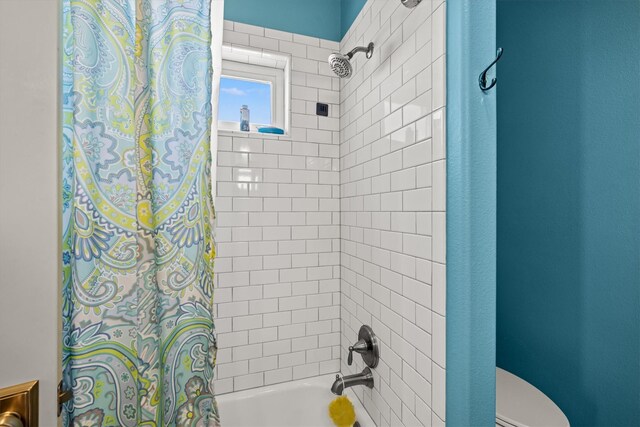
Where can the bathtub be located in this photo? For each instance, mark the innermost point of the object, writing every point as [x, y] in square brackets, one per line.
[301, 403]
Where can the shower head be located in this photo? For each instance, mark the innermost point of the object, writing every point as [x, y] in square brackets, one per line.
[341, 64]
[410, 3]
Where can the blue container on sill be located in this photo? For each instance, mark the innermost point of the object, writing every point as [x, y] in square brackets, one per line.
[271, 129]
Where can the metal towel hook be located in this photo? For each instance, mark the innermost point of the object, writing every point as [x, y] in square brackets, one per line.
[482, 80]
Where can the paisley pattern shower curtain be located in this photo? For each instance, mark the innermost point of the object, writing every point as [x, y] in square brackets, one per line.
[139, 342]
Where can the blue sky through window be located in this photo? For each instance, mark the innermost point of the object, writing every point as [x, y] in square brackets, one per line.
[234, 93]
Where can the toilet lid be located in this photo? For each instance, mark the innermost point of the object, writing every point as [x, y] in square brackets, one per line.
[520, 404]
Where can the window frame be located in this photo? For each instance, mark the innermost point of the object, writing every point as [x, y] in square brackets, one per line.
[257, 66]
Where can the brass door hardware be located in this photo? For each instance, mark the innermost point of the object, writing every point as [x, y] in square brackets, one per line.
[10, 419]
[63, 396]
[19, 405]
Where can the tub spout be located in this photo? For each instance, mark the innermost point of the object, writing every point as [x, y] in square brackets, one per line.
[363, 378]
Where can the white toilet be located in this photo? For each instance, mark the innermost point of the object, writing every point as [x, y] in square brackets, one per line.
[519, 404]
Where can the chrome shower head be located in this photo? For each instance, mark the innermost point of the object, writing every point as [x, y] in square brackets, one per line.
[341, 64]
[410, 3]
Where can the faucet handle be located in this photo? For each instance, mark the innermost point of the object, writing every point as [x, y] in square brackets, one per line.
[359, 347]
[367, 346]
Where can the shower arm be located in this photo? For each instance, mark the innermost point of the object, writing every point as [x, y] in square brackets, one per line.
[368, 50]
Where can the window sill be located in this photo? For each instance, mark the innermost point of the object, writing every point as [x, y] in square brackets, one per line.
[253, 134]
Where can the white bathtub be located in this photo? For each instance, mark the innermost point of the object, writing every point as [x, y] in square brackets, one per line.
[302, 403]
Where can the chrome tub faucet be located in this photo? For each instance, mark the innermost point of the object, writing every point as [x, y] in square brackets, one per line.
[363, 378]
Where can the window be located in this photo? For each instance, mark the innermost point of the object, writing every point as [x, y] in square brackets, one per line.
[236, 92]
[258, 80]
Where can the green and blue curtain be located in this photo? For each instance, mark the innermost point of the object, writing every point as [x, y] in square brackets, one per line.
[139, 342]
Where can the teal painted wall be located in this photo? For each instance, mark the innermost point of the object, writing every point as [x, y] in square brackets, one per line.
[568, 317]
[326, 19]
[471, 216]
[349, 10]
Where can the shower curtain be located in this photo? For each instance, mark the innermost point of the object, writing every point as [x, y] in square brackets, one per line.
[139, 341]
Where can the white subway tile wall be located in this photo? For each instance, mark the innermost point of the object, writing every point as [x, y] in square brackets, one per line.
[393, 200]
[278, 229]
[342, 222]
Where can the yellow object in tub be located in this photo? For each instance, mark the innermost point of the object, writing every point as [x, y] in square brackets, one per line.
[341, 412]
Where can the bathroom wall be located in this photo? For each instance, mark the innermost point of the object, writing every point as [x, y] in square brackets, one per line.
[569, 204]
[327, 19]
[471, 215]
[29, 275]
[393, 200]
[342, 223]
[310, 18]
[349, 11]
[278, 288]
